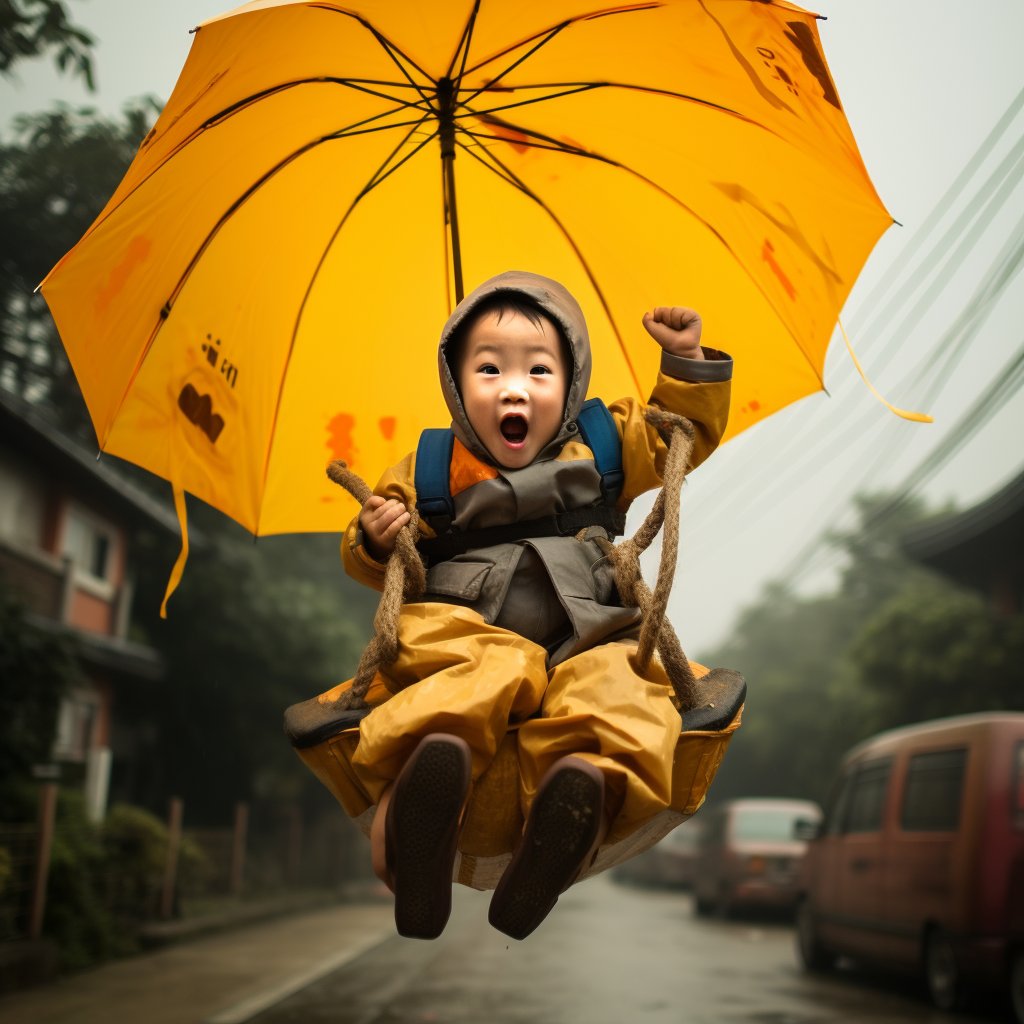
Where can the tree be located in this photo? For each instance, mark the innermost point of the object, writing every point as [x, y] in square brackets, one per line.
[807, 701]
[935, 650]
[252, 629]
[55, 177]
[30, 28]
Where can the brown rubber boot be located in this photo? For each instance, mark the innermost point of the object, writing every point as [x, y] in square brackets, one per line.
[421, 830]
[557, 843]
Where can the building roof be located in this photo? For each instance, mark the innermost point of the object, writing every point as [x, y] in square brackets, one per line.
[35, 435]
[959, 544]
[111, 652]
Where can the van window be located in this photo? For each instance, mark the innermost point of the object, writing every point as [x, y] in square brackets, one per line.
[835, 815]
[867, 798]
[931, 800]
[1017, 793]
[770, 825]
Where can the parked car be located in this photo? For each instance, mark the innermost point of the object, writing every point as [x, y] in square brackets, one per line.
[672, 862]
[750, 854]
[919, 864]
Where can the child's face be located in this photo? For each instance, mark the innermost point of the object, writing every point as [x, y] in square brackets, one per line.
[514, 379]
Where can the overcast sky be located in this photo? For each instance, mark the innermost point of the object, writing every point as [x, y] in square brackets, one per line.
[922, 82]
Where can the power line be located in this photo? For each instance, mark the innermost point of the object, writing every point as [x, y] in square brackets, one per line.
[1007, 176]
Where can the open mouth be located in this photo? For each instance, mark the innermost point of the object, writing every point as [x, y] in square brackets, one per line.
[514, 429]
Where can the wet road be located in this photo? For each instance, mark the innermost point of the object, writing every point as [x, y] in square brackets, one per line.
[606, 955]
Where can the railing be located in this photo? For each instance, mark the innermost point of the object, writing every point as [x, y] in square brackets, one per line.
[18, 845]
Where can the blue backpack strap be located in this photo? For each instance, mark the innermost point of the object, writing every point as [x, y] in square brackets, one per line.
[601, 436]
[433, 478]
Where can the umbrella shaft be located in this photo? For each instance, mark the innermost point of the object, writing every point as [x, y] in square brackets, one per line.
[446, 131]
[448, 164]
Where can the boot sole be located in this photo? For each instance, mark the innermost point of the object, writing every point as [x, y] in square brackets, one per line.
[425, 833]
[564, 823]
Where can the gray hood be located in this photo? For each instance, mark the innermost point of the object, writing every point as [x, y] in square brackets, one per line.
[557, 303]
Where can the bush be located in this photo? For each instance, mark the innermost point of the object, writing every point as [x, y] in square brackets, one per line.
[105, 879]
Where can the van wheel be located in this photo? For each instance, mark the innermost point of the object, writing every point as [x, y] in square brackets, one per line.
[1017, 986]
[941, 970]
[813, 954]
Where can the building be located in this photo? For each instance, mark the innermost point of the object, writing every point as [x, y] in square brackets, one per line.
[981, 548]
[66, 527]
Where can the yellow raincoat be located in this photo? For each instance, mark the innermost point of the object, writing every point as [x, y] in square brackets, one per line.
[519, 701]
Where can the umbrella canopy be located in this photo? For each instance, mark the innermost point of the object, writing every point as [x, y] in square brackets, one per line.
[265, 290]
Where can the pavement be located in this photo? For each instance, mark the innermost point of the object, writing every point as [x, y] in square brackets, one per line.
[607, 954]
[220, 978]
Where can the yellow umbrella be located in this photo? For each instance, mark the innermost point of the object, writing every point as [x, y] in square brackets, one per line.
[264, 291]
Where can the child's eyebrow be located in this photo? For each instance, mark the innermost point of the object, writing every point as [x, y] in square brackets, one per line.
[546, 349]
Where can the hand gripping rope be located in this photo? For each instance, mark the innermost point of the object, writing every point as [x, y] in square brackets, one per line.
[405, 576]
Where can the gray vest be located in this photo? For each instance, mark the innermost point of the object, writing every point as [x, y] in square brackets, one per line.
[558, 592]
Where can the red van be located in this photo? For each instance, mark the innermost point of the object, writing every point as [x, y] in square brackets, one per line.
[750, 854]
[919, 862]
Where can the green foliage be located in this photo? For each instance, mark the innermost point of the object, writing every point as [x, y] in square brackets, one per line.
[135, 852]
[77, 916]
[36, 667]
[251, 629]
[30, 28]
[55, 177]
[892, 644]
[933, 650]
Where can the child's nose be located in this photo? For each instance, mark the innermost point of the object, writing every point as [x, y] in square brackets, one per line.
[514, 392]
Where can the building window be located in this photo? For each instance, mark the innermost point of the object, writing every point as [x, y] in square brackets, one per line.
[931, 800]
[75, 721]
[90, 543]
[22, 506]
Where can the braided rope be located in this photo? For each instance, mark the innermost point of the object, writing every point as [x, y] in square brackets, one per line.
[405, 577]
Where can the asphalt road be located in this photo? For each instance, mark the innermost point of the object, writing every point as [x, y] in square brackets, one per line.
[606, 955]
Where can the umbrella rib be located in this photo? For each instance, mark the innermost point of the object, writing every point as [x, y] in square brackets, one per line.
[376, 179]
[574, 87]
[389, 48]
[557, 28]
[228, 112]
[510, 177]
[464, 41]
[529, 53]
[575, 151]
[165, 310]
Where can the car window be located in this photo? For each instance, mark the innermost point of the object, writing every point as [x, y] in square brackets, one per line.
[867, 796]
[931, 798]
[1017, 792]
[837, 804]
[767, 824]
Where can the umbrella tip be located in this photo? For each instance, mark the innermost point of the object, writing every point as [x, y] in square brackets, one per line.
[193, 31]
[896, 222]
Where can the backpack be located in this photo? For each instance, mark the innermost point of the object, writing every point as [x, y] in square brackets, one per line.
[436, 507]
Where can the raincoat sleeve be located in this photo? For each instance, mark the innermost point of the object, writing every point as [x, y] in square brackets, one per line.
[698, 389]
[396, 482]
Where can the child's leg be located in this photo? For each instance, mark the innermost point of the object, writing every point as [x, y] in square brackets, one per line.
[598, 709]
[454, 674]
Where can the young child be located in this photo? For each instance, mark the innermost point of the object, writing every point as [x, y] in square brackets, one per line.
[522, 632]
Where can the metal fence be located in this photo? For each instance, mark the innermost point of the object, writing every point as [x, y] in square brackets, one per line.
[18, 848]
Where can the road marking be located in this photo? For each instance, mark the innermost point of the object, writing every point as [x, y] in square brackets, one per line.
[247, 1008]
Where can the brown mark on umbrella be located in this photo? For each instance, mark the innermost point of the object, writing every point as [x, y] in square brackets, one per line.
[768, 255]
[198, 409]
[387, 426]
[803, 39]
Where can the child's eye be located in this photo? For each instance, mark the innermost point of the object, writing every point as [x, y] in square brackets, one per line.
[488, 368]
[540, 369]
